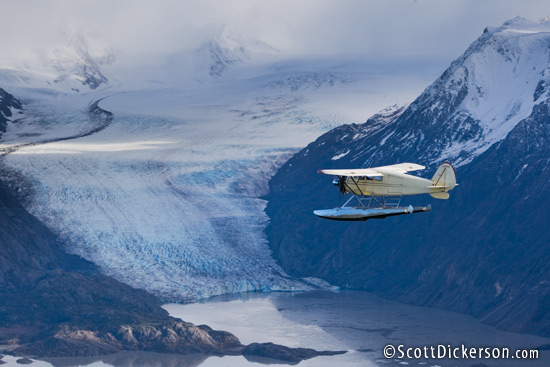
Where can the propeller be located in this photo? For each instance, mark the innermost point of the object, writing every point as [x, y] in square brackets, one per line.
[341, 183]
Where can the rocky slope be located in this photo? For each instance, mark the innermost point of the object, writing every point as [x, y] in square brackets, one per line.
[9, 106]
[485, 251]
[55, 304]
[62, 305]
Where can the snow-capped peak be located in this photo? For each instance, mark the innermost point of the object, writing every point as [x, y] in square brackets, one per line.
[226, 48]
[80, 59]
[484, 93]
[74, 65]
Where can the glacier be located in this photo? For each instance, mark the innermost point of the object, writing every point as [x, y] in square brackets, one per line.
[166, 196]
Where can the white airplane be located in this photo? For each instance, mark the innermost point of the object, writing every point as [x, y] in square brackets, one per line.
[379, 190]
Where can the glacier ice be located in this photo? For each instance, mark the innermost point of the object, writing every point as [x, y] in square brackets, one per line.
[167, 197]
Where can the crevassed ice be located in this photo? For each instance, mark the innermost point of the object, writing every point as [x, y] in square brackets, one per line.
[167, 197]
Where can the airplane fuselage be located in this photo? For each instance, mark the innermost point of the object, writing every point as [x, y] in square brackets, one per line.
[391, 184]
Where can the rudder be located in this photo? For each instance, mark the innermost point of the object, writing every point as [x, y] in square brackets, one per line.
[444, 180]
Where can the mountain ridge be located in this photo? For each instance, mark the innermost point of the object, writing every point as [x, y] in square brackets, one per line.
[8, 106]
[465, 255]
[467, 104]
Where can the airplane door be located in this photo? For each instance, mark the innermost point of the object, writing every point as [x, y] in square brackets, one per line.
[395, 185]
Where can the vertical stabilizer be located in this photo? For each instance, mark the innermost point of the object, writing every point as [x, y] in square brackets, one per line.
[444, 180]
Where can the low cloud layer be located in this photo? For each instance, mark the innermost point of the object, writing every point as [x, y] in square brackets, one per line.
[375, 27]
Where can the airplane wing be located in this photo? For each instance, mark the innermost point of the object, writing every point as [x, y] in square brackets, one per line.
[371, 172]
[375, 171]
[400, 167]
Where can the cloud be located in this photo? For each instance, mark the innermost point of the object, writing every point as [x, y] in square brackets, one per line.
[141, 28]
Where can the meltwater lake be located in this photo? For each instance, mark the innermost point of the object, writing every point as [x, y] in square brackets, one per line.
[358, 322]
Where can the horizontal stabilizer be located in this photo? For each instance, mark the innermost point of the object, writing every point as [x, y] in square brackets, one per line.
[440, 195]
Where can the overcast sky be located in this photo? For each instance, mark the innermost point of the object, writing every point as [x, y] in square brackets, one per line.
[442, 28]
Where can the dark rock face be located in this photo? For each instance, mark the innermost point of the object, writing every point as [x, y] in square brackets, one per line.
[7, 103]
[24, 361]
[63, 306]
[485, 251]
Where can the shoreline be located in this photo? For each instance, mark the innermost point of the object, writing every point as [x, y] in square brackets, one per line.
[356, 321]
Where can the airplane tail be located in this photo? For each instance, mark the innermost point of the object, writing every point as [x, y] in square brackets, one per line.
[444, 180]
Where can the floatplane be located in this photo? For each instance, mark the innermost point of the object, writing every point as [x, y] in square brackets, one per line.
[379, 190]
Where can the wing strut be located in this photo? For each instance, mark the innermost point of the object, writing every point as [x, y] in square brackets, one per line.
[343, 181]
[357, 185]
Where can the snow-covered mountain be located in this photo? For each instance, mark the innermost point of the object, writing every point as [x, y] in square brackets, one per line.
[228, 48]
[476, 102]
[79, 62]
[222, 50]
[484, 251]
[74, 66]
